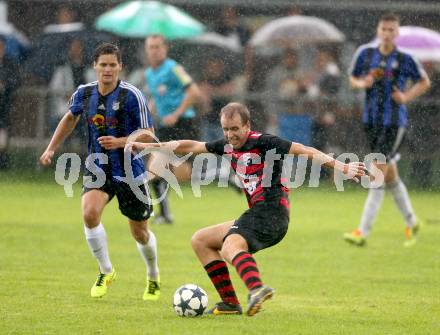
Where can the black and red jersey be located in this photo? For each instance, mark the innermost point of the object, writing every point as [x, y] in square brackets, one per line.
[249, 164]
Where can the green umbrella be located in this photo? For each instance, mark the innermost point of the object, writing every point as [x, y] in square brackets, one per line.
[144, 18]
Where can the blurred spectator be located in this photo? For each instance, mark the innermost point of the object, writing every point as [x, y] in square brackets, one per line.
[66, 21]
[322, 85]
[9, 74]
[231, 26]
[294, 10]
[137, 76]
[52, 46]
[217, 88]
[283, 85]
[325, 78]
[65, 79]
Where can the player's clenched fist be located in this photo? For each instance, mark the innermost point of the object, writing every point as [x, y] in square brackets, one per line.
[46, 157]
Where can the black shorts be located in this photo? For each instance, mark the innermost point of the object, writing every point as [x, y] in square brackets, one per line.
[184, 129]
[385, 140]
[129, 205]
[262, 226]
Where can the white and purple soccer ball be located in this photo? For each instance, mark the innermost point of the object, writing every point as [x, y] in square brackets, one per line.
[190, 300]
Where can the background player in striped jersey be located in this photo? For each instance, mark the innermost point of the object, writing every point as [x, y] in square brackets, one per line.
[266, 221]
[384, 72]
[113, 110]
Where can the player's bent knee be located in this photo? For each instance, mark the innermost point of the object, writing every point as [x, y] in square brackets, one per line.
[228, 252]
[232, 245]
[197, 241]
[91, 217]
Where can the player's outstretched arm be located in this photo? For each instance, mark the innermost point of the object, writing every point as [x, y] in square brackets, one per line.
[353, 170]
[63, 130]
[180, 147]
[112, 142]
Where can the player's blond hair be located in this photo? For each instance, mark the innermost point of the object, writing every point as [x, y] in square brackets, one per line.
[233, 108]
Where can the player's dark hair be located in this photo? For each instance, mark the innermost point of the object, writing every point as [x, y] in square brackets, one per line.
[389, 17]
[233, 108]
[107, 49]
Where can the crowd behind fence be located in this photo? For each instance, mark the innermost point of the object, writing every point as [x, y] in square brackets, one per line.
[301, 94]
[31, 130]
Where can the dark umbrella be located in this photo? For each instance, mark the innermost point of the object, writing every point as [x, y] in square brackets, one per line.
[212, 45]
[51, 50]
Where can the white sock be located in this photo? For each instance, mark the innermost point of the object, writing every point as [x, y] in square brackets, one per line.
[97, 241]
[149, 255]
[401, 198]
[371, 208]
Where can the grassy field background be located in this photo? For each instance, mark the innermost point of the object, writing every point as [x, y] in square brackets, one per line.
[323, 286]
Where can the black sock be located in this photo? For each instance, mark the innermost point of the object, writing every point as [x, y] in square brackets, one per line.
[160, 187]
[219, 275]
[247, 269]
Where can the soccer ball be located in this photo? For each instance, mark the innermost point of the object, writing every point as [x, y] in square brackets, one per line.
[190, 300]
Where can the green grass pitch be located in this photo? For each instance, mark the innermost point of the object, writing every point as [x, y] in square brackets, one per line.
[323, 286]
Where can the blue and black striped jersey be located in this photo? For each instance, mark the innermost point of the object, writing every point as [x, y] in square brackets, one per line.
[389, 71]
[117, 114]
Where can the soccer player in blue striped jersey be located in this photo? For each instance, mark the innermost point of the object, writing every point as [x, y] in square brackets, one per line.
[384, 72]
[113, 110]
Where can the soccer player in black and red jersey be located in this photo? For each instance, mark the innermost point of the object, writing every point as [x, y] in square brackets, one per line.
[265, 223]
